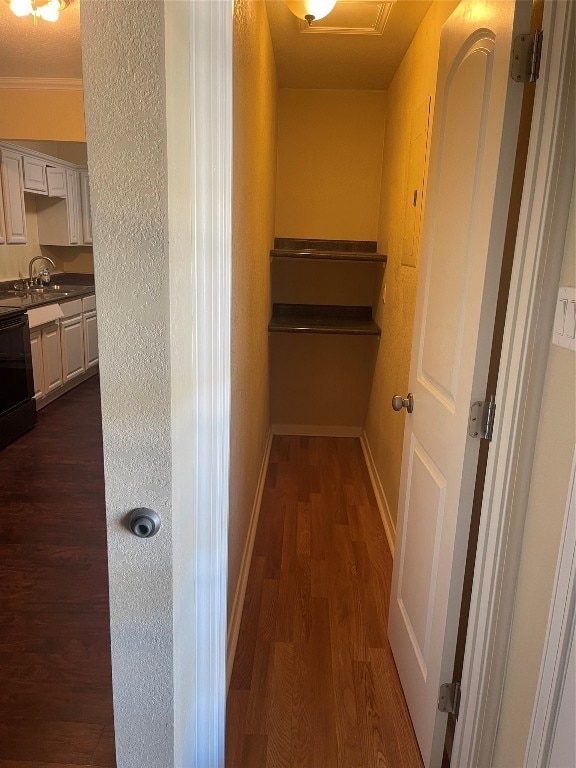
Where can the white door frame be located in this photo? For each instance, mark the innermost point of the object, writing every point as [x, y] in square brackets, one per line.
[559, 641]
[537, 261]
[198, 51]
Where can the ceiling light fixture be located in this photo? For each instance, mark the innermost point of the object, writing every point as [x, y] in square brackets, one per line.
[48, 10]
[310, 10]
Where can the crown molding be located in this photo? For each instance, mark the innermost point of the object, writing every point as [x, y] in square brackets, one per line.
[41, 83]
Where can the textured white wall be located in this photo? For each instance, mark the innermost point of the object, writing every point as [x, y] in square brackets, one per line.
[123, 59]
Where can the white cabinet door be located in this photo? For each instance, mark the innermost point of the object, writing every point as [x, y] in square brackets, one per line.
[34, 175]
[74, 217]
[86, 215]
[90, 339]
[37, 364]
[72, 333]
[56, 181]
[51, 357]
[13, 194]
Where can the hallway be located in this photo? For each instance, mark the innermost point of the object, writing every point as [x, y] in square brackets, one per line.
[314, 683]
[56, 693]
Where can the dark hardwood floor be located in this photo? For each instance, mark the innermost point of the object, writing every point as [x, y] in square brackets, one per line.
[55, 673]
[314, 683]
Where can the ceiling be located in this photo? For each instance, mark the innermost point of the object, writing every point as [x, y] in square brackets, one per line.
[48, 50]
[344, 59]
[364, 59]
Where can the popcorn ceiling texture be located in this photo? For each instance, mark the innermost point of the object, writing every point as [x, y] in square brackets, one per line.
[123, 45]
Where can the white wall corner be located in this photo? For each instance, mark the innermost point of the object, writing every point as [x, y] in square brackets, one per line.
[238, 604]
[381, 500]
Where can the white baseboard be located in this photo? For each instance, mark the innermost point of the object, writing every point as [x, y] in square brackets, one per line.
[389, 527]
[237, 606]
[315, 430]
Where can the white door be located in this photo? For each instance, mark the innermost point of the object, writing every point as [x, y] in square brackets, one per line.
[473, 147]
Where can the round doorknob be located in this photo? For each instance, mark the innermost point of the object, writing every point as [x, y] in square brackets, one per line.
[399, 402]
[144, 522]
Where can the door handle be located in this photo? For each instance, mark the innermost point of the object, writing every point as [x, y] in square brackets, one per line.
[399, 402]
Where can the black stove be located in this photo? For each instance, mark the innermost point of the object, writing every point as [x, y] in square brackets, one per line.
[17, 404]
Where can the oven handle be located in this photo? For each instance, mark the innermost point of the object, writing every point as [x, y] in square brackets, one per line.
[10, 325]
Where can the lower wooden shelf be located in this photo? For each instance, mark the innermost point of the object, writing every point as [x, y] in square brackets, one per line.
[322, 318]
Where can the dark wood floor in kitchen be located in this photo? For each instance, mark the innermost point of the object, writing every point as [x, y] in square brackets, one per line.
[314, 683]
[55, 674]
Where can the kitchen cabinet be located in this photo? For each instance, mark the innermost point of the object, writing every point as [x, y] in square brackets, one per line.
[72, 338]
[12, 179]
[34, 170]
[59, 219]
[46, 359]
[56, 181]
[85, 204]
[64, 351]
[90, 332]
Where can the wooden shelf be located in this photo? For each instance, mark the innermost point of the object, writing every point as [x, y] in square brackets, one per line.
[277, 253]
[327, 250]
[323, 319]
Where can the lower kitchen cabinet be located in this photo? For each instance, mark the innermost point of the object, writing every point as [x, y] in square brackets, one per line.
[90, 339]
[72, 335]
[46, 359]
[64, 352]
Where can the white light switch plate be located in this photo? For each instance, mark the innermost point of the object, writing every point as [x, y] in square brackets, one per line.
[564, 333]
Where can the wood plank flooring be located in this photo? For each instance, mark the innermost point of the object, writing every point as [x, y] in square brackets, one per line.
[314, 683]
[55, 671]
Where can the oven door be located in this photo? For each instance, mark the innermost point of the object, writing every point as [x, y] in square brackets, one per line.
[16, 380]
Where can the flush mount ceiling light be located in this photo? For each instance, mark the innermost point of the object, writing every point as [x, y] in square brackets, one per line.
[310, 10]
[48, 10]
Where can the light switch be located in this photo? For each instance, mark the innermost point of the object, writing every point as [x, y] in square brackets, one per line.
[564, 334]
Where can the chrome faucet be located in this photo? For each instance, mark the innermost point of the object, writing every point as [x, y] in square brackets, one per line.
[37, 258]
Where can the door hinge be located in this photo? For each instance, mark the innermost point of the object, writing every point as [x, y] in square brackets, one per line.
[449, 698]
[526, 55]
[481, 419]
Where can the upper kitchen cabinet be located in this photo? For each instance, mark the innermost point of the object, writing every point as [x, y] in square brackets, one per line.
[12, 178]
[65, 221]
[42, 178]
[85, 201]
[61, 191]
[34, 175]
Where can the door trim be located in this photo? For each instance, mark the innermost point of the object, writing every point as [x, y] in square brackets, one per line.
[559, 638]
[198, 53]
[539, 247]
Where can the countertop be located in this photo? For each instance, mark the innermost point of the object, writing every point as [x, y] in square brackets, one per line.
[63, 287]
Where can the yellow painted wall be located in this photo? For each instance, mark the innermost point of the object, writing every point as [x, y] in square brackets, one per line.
[549, 489]
[254, 177]
[329, 163]
[45, 115]
[413, 84]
